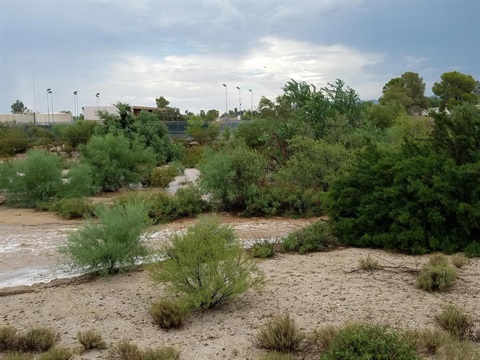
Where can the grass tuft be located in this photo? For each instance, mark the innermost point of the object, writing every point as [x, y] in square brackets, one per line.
[280, 335]
[168, 314]
[455, 321]
[91, 339]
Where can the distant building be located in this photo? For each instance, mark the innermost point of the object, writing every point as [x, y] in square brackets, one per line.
[90, 112]
[36, 118]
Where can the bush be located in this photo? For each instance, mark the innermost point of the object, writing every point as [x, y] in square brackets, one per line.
[431, 340]
[78, 133]
[17, 355]
[459, 260]
[206, 265]
[459, 350]
[473, 250]
[455, 321]
[124, 350]
[72, 208]
[162, 176]
[192, 156]
[8, 338]
[189, 201]
[13, 140]
[436, 275]
[57, 353]
[164, 353]
[280, 335]
[91, 339]
[111, 244]
[37, 339]
[320, 339]
[263, 249]
[168, 314]
[314, 237]
[364, 341]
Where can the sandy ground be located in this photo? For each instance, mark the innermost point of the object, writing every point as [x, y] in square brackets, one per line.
[316, 289]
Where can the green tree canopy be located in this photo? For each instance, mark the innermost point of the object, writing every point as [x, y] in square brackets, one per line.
[407, 90]
[454, 89]
[161, 102]
[19, 108]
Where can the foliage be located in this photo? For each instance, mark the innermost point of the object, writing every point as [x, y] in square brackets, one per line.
[116, 161]
[229, 176]
[320, 339]
[436, 275]
[17, 355]
[124, 350]
[32, 180]
[78, 133]
[189, 201]
[19, 108]
[162, 176]
[429, 341]
[71, 208]
[78, 182]
[91, 339]
[13, 140]
[280, 335]
[455, 321]
[37, 339]
[192, 156]
[57, 353]
[111, 244]
[314, 237]
[263, 249]
[454, 89]
[473, 249]
[365, 341]
[8, 338]
[206, 265]
[168, 314]
[459, 350]
[383, 115]
[202, 131]
[459, 260]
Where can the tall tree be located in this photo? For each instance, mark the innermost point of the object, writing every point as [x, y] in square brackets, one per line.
[408, 90]
[162, 102]
[454, 89]
[19, 108]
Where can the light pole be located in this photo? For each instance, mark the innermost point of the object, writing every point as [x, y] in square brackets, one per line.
[75, 104]
[226, 102]
[97, 95]
[251, 104]
[49, 91]
[239, 104]
[48, 106]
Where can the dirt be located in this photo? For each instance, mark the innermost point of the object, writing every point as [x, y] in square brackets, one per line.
[316, 289]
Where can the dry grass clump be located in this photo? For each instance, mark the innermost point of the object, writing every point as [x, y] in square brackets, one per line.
[168, 314]
[455, 321]
[437, 274]
[124, 350]
[274, 355]
[459, 260]
[321, 339]
[428, 341]
[369, 263]
[17, 355]
[459, 350]
[91, 339]
[8, 338]
[57, 353]
[37, 339]
[280, 335]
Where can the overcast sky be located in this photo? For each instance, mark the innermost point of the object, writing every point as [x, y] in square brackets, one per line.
[135, 50]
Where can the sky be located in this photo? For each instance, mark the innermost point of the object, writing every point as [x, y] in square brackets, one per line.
[136, 50]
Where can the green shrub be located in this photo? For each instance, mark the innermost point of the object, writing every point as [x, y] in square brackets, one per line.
[111, 244]
[163, 208]
[438, 259]
[263, 249]
[8, 338]
[162, 176]
[57, 353]
[365, 341]
[71, 208]
[91, 339]
[206, 265]
[459, 260]
[78, 183]
[13, 140]
[189, 201]
[455, 321]
[37, 339]
[314, 237]
[280, 335]
[436, 277]
[192, 156]
[473, 250]
[78, 133]
[168, 314]
[18, 355]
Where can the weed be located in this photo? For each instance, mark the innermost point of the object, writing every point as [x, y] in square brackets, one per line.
[459, 350]
[429, 341]
[472, 250]
[168, 314]
[164, 353]
[91, 339]
[274, 355]
[17, 355]
[455, 321]
[436, 277]
[369, 263]
[37, 339]
[124, 350]
[459, 260]
[8, 338]
[320, 339]
[438, 259]
[314, 237]
[280, 335]
[263, 249]
[57, 353]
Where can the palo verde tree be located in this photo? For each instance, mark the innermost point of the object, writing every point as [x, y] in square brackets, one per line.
[454, 89]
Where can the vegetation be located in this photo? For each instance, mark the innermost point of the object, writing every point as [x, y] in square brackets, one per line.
[206, 266]
[436, 275]
[124, 350]
[455, 321]
[168, 314]
[112, 243]
[315, 237]
[281, 335]
[37, 339]
[91, 339]
[162, 176]
[263, 249]
[57, 353]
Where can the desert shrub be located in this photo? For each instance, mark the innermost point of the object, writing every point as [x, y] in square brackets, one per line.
[473, 250]
[314, 237]
[163, 208]
[168, 314]
[13, 140]
[320, 339]
[111, 244]
[162, 176]
[37, 339]
[78, 133]
[8, 338]
[124, 350]
[436, 275]
[369, 263]
[365, 341]
[17, 355]
[57, 353]
[206, 265]
[427, 341]
[117, 161]
[91, 339]
[274, 355]
[459, 260]
[189, 201]
[32, 180]
[192, 156]
[459, 350]
[71, 208]
[263, 248]
[79, 182]
[438, 259]
[280, 335]
[455, 321]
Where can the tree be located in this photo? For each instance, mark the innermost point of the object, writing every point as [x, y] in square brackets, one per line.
[161, 102]
[454, 89]
[407, 90]
[19, 108]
